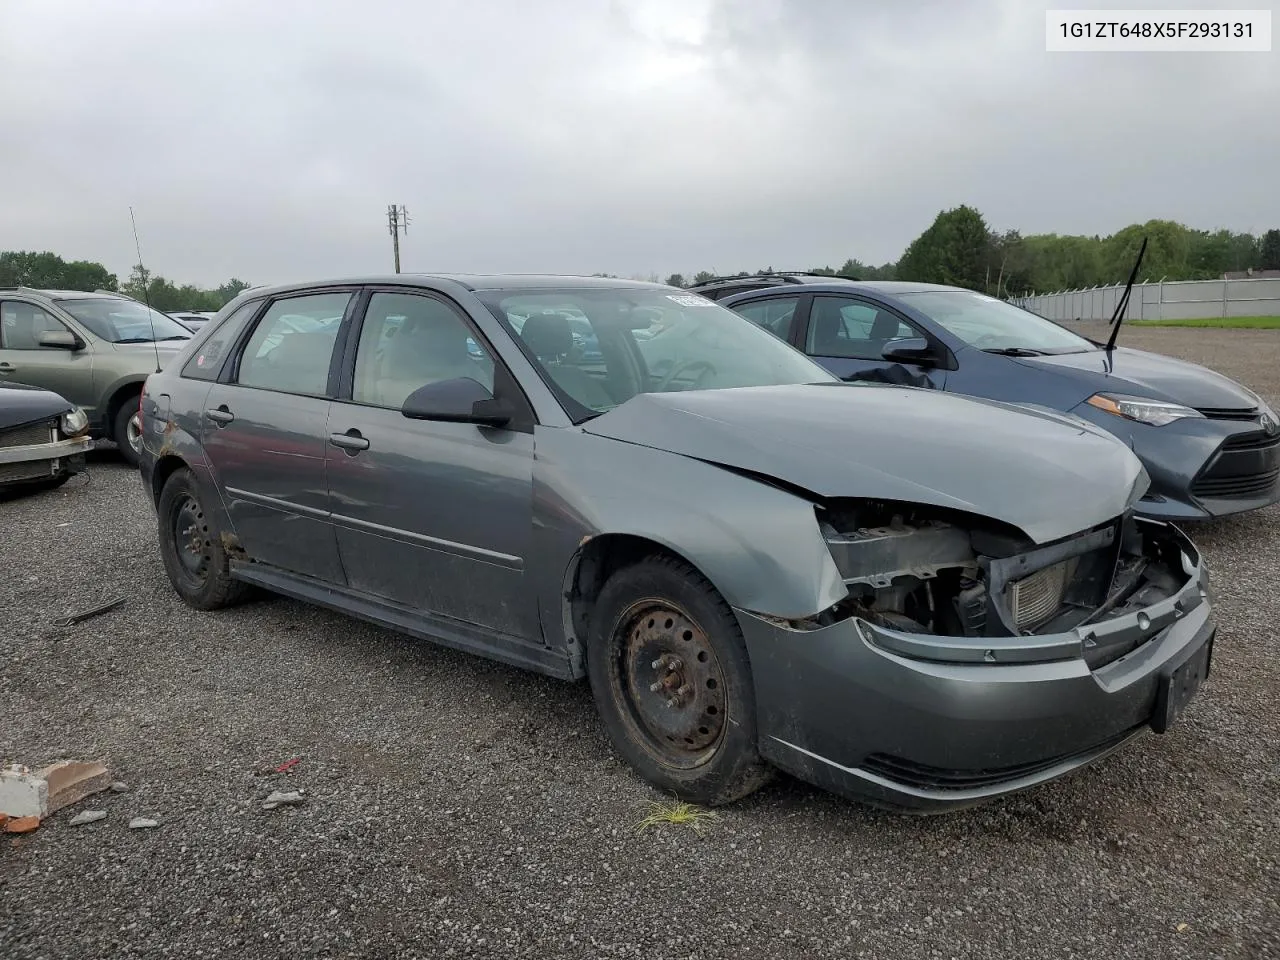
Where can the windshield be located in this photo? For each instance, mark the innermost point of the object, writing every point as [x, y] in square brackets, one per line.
[124, 321]
[990, 324]
[598, 348]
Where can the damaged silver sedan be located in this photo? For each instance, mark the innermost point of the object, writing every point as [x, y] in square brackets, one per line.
[912, 598]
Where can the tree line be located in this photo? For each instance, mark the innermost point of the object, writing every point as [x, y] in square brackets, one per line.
[959, 248]
[48, 271]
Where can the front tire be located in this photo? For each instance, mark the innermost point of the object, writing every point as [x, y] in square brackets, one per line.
[191, 547]
[669, 671]
[126, 431]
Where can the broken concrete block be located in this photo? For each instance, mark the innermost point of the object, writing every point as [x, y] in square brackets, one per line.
[70, 782]
[22, 793]
[87, 816]
[119, 787]
[280, 798]
[21, 824]
[143, 823]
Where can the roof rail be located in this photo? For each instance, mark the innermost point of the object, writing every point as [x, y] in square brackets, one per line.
[772, 275]
[20, 288]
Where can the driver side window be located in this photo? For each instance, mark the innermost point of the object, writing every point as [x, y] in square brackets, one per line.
[853, 329]
[22, 323]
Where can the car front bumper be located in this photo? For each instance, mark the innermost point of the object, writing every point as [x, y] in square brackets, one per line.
[38, 461]
[1200, 468]
[926, 724]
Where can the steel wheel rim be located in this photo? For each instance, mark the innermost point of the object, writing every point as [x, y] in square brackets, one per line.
[667, 679]
[191, 540]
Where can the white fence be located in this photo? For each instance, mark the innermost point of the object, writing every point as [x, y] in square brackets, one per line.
[1176, 300]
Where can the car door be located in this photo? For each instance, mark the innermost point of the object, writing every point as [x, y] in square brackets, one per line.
[435, 516]
[23, 359]
[264, 433]
[847, 335]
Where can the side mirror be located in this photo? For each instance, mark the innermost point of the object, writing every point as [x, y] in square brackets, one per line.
[460, 400]
[61, 339]
[908, 350]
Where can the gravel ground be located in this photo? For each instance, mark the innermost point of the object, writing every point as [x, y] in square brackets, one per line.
[459, 808]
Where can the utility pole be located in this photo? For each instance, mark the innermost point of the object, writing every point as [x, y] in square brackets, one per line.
[397, 218]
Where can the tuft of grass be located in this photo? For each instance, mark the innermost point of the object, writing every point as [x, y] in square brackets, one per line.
[1240, 323]
[677, 813]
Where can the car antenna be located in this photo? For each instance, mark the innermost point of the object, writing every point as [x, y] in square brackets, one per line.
[1117, 318]
[146, 292]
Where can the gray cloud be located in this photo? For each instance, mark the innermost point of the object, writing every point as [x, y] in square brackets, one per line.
[265, 140]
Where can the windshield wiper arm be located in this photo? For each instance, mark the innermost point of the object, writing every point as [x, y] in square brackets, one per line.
[136, 340]
[176, 336]
[1117, 318]
[1014, 351]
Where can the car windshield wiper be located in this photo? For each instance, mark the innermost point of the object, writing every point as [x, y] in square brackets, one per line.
[176, 336]
[1014, 351]
[136, 340]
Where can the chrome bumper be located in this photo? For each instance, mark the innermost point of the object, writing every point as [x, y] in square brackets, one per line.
[46, 451]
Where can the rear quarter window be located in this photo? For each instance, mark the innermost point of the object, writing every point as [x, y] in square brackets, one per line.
[206, 362]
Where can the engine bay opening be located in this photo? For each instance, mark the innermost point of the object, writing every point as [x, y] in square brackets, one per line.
[931, 571]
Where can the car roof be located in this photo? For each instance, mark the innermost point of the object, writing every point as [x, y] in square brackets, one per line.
[887, 287]
[67, 294]
[475, 282]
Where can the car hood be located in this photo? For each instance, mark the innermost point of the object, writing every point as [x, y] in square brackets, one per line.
[1147, 375]
[21, 404]
[1048, 474]
[167, 349]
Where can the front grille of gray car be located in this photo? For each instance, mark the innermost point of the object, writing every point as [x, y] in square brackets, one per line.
[30, 434]
[1229, 413]
[1036, 597]
[1234, 474]
[31, 470]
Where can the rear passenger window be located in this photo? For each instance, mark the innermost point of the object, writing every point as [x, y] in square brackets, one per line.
[292, 345]
[209, 355]
[774, 315]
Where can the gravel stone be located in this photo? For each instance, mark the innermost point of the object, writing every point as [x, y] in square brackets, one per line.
[416, 842]
[143, 823]
[87, 816]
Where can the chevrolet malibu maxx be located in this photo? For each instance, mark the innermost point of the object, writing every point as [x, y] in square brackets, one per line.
[912, 598]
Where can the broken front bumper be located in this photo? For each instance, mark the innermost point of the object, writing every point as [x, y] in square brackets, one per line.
[36, 461]
[929, 723]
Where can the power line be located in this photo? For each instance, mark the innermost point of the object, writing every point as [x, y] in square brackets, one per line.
[397, 219]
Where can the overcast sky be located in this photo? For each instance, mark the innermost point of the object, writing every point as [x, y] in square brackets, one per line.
[264, 140]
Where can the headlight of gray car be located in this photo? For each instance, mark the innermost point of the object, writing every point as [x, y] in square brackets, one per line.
[74, 422]
[1155, 412]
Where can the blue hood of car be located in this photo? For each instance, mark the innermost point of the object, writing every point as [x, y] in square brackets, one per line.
[1145, 374]
[1050, 475]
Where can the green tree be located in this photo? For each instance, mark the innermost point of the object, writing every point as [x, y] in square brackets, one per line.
[956, 249]
[676, 280]
[702, 276]
[1269, 251]
[49, 271]
[230, 290]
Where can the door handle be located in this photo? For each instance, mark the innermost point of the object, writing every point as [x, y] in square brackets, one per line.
[221, 416]
[7, 368]
[351, 441]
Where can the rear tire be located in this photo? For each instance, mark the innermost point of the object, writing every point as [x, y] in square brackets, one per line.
[669, 671]
[127, 433]
[191, 547]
